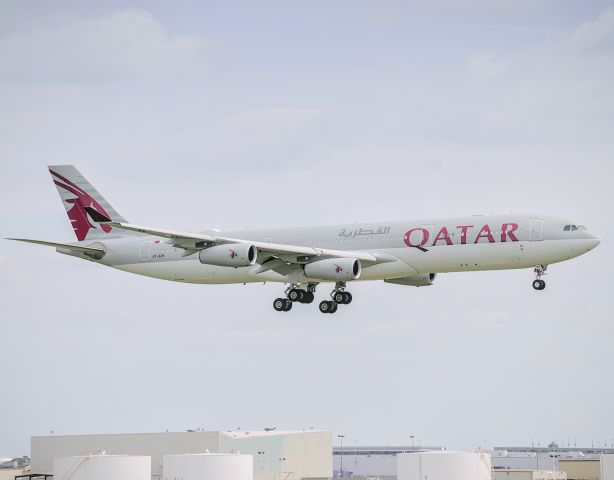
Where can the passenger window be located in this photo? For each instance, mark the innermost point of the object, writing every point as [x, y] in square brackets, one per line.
[567, 228]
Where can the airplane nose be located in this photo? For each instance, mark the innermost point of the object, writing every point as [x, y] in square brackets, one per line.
[594, 241]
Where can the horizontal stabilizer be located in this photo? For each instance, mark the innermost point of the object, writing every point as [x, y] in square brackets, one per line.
[63, 246]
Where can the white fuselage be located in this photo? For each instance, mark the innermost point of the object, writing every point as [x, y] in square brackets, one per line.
[408, 247]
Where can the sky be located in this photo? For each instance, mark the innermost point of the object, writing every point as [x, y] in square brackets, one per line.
[196, 115]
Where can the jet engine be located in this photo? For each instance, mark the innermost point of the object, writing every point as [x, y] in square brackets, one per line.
[229, 255]
[423, 280]
[334, 269]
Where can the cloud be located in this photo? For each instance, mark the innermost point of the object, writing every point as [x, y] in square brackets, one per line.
[270, 125]
[128, 43]
[596, 35]
[557, 89]
[3, 258]
[278, 117]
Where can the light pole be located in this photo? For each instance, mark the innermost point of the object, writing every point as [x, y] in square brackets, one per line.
[341, 437]
[281, 473]
[554, 456]
[261, 457]
[413, 445]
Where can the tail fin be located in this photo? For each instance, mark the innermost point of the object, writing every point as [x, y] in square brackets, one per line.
[77, 194]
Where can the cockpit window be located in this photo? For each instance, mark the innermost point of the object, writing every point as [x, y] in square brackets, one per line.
[571, 228]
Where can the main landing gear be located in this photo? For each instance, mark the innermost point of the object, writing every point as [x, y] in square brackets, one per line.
[538, 283]
[295, 294]
[339, 297]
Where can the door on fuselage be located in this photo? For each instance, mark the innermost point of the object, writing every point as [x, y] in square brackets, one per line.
[145, 251]
[536, 229]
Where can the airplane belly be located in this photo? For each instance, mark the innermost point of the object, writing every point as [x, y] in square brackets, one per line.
[387, 270]
[458, 258]
[192, 271]
[492, 256]
[554, 251]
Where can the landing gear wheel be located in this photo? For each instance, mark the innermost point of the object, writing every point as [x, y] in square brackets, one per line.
[539, 284]
[326, 306]
[348, 298]
[279, 304]
[295, 295]
[288, 305]
[334, 309]
[308, 297]
[339, 297]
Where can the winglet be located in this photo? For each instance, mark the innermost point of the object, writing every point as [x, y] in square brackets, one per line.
[97, 216]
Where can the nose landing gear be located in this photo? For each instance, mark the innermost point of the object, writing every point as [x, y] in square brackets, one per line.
[538, 283]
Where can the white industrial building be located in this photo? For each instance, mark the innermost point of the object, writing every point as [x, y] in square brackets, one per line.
[543, 458]
[102, 467]
[209, 466]
[291, 455]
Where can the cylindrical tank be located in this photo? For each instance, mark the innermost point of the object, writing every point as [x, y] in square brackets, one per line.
[208, 466]
[102, 467]
[444, 465]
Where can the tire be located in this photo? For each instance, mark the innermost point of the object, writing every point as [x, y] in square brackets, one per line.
[288, 306]
[309, 296]
[334, 308]
[324, 306]
[348, 298]
[339, 297]
[279, 304]
[537, 284]
[543, 284]
[294, 295]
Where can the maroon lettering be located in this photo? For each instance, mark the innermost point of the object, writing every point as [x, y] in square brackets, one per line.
[425, 237]
[507, 230]
[443, 236]
[464, 229]
[485, 233]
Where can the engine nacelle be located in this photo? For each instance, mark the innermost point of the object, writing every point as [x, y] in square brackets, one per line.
[423, 280]
[334, 269]
[229, 255]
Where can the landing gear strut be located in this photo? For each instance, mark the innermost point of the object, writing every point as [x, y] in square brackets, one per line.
[538, 283]
[295, 294]
[339, 297]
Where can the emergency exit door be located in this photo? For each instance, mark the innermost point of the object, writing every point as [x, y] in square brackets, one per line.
[536, 229]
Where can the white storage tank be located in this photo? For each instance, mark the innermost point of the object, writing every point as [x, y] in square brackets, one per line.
[444, 465]
[208, 466]
[102, 467]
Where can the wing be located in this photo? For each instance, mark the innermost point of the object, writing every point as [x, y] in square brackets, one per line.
[271, 256]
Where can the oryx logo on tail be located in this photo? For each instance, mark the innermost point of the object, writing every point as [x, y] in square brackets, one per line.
[79, 218]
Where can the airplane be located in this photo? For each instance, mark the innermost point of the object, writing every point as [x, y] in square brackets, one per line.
[410, 253]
